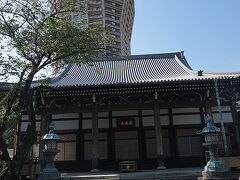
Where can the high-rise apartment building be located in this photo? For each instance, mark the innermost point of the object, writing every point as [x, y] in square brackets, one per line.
[116, 14]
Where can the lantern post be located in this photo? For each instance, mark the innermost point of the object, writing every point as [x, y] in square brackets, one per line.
[215, 168]
[49, 152]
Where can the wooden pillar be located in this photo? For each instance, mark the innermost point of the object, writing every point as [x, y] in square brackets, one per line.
[158, 133]
[235, 126]
[238, 120]
[111, 142]
[202, 116]
[45, 119]
[95, 156]
[203, 124]
[141, 138]
[172, 136]
[80, 141]
[208, 109]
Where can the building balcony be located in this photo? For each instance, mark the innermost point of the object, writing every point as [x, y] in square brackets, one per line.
[95, 17]
[115, 33]
[90, 9]
[112, 26]
[113, 20]
[115, 13]
[92, 23]
[119, 8]
[95, 2]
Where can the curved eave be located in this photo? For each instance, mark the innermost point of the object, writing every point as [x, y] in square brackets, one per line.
[167, 82]
[134, 70]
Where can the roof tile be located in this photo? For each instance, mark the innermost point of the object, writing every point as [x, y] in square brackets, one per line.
[133, 69]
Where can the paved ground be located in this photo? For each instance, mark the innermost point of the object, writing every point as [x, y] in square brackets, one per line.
[168, 174]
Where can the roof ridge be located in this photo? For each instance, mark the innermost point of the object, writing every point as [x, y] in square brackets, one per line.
[142, 56]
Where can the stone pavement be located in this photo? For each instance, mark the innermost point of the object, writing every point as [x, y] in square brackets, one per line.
[168, 174]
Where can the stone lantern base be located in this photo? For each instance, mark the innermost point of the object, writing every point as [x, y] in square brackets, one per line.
[49, 174]
[225, 175]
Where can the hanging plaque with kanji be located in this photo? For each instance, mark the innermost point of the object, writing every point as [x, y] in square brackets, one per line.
[126, 123]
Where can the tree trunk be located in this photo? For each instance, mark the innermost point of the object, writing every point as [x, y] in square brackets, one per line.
[5, 160]
[31, 135]
[13, 167]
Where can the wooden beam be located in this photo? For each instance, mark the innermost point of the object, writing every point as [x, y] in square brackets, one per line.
[115, 107]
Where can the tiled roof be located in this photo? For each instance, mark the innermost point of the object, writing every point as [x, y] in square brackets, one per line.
[132, 70]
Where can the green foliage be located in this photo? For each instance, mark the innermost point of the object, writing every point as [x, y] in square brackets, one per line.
[42, 36]
[10, 128]
[37, 35]
[11, 118]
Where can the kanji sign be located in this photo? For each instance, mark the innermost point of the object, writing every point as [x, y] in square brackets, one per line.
[126, 123]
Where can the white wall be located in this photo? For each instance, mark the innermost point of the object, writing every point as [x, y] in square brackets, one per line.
[65, 125]
[125, 113]
[223, 108]
[66, 115]
[227, 117]
[25, 124]
[186, 119]
[148, 121]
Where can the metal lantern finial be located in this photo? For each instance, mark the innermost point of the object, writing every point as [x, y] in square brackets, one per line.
[208, 118]
[51, 126]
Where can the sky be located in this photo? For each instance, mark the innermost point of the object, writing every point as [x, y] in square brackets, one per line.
[208, 31]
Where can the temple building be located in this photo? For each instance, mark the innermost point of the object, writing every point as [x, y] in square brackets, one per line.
[145, 108]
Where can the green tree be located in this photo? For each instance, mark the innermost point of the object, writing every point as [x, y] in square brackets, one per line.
[35, 35]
